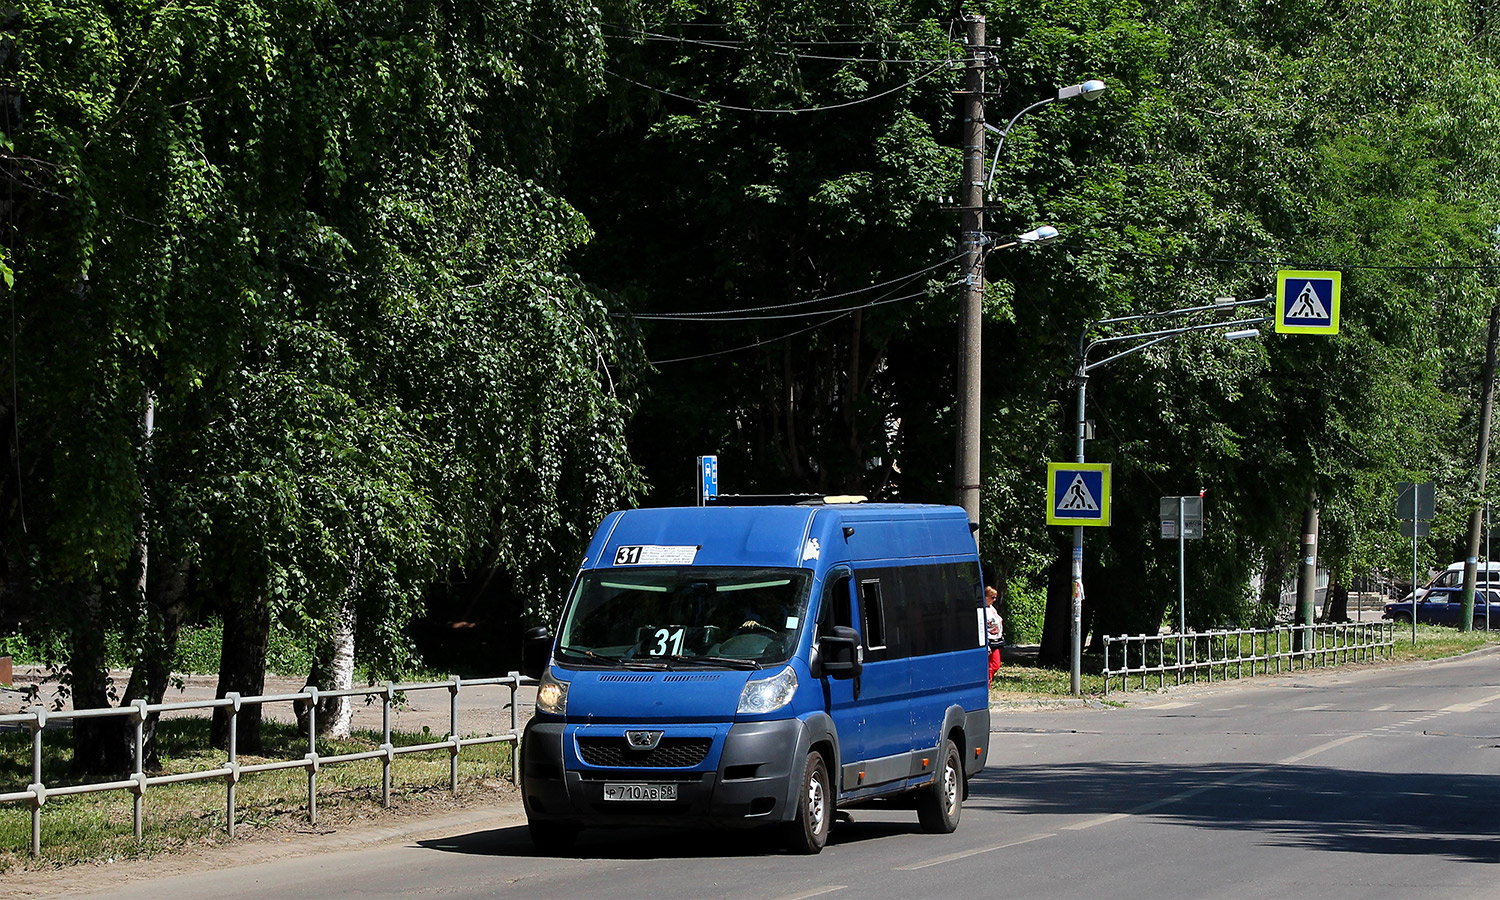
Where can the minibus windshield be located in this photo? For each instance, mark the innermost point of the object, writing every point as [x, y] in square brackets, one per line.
[690, 615]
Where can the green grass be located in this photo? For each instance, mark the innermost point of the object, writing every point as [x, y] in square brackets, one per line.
[92, 827]
[1439, 642]
[1043, 682]
[1433, 642]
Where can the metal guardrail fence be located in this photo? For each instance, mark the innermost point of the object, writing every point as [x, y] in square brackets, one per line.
[1228, 652]
[37, 717]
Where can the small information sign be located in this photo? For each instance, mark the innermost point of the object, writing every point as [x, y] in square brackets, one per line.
[1191, 524]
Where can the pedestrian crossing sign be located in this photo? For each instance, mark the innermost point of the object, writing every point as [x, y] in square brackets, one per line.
[1077, 493]
[1307, 302]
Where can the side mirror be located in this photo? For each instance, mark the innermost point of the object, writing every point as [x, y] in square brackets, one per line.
[536, 648]
[841, 653]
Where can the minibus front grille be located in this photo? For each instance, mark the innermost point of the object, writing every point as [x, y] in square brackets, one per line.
[670, 752]
[649, 775]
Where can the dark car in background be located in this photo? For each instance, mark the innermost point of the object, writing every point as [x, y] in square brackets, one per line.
[1444, 606]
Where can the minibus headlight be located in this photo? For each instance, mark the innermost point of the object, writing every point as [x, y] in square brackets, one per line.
[551, 695]
[763, 695]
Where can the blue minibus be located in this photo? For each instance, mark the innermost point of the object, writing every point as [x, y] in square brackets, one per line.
[746, 666]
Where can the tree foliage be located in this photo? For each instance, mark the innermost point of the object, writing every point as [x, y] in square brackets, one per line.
[326, 244]
[386, 279]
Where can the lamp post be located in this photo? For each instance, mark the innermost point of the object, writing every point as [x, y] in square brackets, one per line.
[975, 185]
[1242, 328]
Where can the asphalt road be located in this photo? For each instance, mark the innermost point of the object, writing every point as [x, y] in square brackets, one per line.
[1366, 784]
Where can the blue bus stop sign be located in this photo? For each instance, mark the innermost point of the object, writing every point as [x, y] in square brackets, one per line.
[708, 478]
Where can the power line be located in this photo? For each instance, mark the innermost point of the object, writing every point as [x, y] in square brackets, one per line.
[797, 315]
[746, 45]
[806, 109]
[752, 309]
[808, 42]
[1170, 257]
[842, 314]
[760, 343]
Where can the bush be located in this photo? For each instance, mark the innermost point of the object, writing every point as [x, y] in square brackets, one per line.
[1025, 611]
[198, 649]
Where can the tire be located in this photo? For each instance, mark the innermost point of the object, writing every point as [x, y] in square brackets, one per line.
[550, 838]
[1479, 623]
[1402, 618]
[940, 804]
[807, 833]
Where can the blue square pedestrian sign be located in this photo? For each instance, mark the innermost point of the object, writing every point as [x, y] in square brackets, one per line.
[1307, 302]
[1078, 493]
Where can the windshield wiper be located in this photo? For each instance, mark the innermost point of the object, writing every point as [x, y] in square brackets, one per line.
[602, 660]
[729, 661]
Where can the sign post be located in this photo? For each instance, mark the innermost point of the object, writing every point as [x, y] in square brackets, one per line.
[1182, 518]
[1078, 494]
[1415, 506]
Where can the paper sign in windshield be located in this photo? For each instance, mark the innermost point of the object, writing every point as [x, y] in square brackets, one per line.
[656, 555]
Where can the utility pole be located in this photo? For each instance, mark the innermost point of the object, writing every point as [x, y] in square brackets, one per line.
[971, 303]
[1476, 519]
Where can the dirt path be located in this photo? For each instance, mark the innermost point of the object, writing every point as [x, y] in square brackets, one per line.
[482, 709]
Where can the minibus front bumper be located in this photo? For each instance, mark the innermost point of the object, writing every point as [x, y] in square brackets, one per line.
[745, 778]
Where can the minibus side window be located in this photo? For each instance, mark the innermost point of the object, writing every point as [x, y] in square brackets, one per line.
[835, 609]
[873, 610]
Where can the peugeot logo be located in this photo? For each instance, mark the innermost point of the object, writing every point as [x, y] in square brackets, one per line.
[643, 740]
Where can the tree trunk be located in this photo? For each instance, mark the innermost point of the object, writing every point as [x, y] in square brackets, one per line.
[1307, 572]
[1336, 604]
[242, 669]
[1056, 648]
[152, 674]
[1278, 559]
[333, 670]
[99, 745]
[1482, 464]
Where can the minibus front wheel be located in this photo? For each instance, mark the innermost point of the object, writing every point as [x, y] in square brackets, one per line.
[552, 838]
[941, 803]
[808, 831]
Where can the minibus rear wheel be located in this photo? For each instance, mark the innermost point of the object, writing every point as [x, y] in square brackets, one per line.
[941, 803]
[808, 831]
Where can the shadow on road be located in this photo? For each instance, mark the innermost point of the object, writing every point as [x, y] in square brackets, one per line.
[665, 843]
[1450, 816]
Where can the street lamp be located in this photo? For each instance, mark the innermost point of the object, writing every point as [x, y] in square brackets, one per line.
[971, 303]
[1088, 90]
[1038, 235]
[1243, 328]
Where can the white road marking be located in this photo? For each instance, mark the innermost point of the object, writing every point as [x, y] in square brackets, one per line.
[1193, 792]
[1312, 708]
[1337, 742]
[1175, 705]
[813, 892]
[967, 853]
[1381, 708]
[1470, 707]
